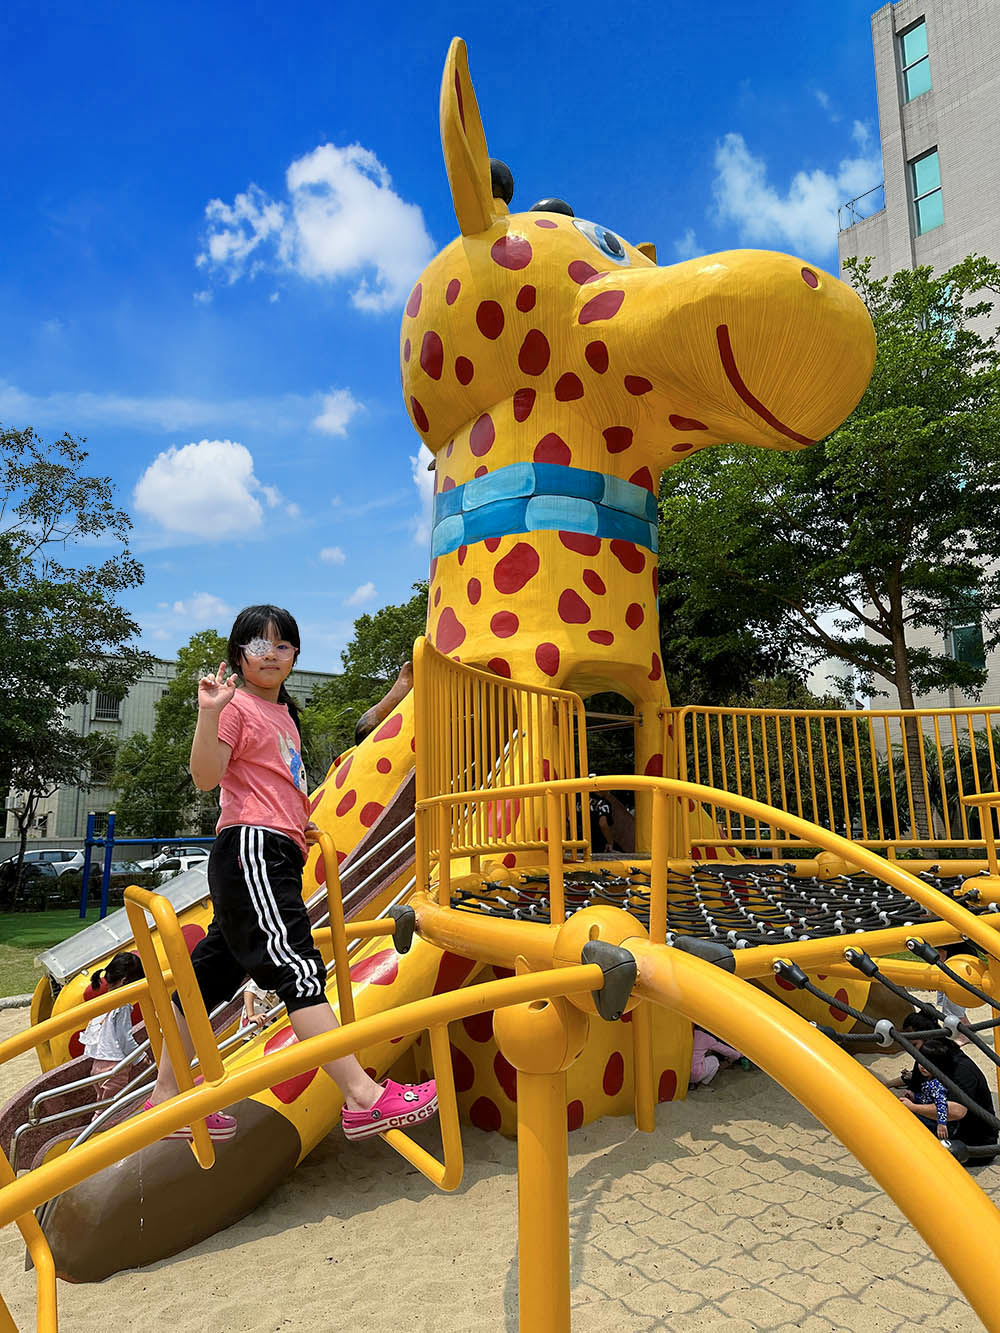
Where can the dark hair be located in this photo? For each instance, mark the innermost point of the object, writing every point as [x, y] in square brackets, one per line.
[123, 967]
[915, 1021]
[941, 1052]
[252, 623]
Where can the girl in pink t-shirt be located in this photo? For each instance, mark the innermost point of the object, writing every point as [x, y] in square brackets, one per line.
[247, 742]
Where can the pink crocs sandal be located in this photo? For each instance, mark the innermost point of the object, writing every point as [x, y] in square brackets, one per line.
[221, 1128]
[401, 1105]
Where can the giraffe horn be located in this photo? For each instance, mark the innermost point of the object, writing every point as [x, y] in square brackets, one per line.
[466, 158]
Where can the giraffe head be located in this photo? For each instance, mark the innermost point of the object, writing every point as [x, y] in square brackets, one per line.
[554, 370]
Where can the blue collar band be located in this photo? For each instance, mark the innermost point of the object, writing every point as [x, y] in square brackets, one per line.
[533, 497]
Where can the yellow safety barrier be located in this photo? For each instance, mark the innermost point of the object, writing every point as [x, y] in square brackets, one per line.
[478, 730]
[892, 779]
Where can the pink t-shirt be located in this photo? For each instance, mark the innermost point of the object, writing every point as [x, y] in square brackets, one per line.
[264, 782]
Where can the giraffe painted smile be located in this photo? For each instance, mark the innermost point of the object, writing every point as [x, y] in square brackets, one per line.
[736, 380]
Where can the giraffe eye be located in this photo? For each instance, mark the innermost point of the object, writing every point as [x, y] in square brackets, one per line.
[610, 245]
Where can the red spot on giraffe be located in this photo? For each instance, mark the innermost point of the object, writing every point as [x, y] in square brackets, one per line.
[384, 765]
[568, 387]
[524, 401]
[437, 594]
[347, 802]
[448, 484]
[291, 1088]
[484, 1112]
[342, 771]
[605, 305]
[785, 985]
[547, 659]
[686, 423]
[452, 291]
[370, 812]
[450, 631]
[580, 271]
[552, 448]
[481, 471]
[534, 354]
[499, 666]
[637, 385]
[614, 1073]
[666, 1089]
[634, 616]
[482, 435]
[419, 415]
[413, 304]
[462, 552]
[629, 556]
[406, 350]
[510, 860]
[580, 542]
[504, 624]
[432, 354]
[809, 277]
[681, 448]
[642, 478]
[655, 672]
[545, 222]
[654, 766]
[474, 590]
[594, 582]
[192, 935]
[597, 356]
[463, 1069]
[452, 971]
[512, 252]
[836, 1012]
[526, 298]
[518, 567]
[602, 636]
[489, 319]
[389, 729]
[316, 798]
[574, 1114]
[506, 1076]
[381, 969]
[479, 1026]
[572, 608]
[491, 543]
[617, 439]
[464, 370]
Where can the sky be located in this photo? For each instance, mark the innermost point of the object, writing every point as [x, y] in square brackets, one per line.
[214, 213]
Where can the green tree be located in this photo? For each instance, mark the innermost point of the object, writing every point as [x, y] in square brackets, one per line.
[157, 797]
[382, 643]
[62, 632]
[885, 528]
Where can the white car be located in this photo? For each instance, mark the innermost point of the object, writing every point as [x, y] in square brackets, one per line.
[183, 852]
[61, 859]
[175, 865]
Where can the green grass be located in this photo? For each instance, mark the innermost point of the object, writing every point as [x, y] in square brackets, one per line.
[24, 935]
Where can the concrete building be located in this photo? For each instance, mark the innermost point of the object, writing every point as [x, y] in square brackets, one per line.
[937, 74]
[64, 815]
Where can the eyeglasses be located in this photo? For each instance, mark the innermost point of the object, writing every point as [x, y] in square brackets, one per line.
[261, 647]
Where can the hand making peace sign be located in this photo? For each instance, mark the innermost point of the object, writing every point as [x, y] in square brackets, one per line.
[214, 692]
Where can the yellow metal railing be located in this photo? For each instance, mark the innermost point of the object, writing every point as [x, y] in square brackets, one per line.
[888, 779]
[477, 731]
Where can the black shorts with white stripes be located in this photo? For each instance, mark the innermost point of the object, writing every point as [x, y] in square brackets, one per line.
[260, 926]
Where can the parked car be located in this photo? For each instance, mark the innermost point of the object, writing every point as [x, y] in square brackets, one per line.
[39, 882]
[176, 865]
[184, 852]
[62, 858]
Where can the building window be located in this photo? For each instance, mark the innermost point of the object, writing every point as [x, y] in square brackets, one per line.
[925, 181]
[967, 646]
[107, 707]
[915, 61]
[100, 823]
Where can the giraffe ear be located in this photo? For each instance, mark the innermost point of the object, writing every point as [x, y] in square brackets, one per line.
[648, 249]
[466, 158]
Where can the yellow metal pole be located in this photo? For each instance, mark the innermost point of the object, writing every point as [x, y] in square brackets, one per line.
[557, 897]
[335, 907]
[658, 869]
[41, 1258]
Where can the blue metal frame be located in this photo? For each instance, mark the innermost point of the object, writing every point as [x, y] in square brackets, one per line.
[109, 842]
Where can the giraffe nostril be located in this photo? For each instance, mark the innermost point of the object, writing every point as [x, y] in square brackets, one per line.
[810, 278]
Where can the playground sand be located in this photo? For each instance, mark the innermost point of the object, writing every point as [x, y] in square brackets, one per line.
[739, 1213]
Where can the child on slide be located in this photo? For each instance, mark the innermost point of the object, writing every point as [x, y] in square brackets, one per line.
[108, 1038]
[247, 742]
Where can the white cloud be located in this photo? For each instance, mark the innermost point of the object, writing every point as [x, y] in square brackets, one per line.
[206, 490]
[341, 220]
[360, 595]
[861, 133]
[823, 98]
[424, 482]
[205, 608]
[332, 555]
[339, 406]
[687, 247]
[805, 216]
